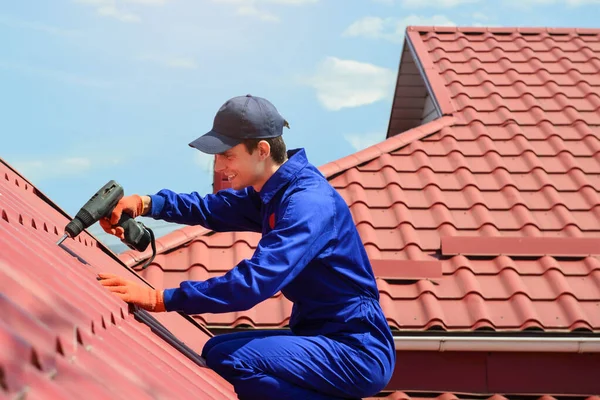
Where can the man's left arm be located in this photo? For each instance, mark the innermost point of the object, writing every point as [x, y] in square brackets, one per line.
[305, 229]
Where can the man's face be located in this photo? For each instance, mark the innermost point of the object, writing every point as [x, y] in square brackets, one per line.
[241, 168]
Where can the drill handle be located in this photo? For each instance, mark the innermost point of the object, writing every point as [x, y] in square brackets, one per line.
[136, 236]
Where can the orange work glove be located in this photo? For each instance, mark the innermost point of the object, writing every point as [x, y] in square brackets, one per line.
[134, 293]
[132, 205]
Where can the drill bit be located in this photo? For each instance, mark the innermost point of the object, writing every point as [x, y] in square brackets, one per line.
[62, 239]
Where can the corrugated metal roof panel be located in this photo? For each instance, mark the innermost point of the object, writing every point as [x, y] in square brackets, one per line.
[62, 334]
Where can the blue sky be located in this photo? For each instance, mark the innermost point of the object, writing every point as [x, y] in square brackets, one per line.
[93, 90]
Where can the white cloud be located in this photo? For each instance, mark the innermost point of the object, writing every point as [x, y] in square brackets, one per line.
[480, 16]
[77, 163]
[371, 27]
[181, 62]
[61, 167]
[527, 4]
[172, 62]
[391, 29]
[37, 170]
[435, 3]
[362, 141]
[121, 15]
[149, 2]
[284, 2]
[582, 2]
[428, 3]
[116, 9]
[255, 12]
[59, 76]
[347, 83]
[13, 22]
[485, 25]
[567, 2]
[293, 2]
[255, 8]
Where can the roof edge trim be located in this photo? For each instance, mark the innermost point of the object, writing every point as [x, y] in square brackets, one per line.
[507, 344]
[162, 332]
[334, 168]
[419, 64]
[431, 76]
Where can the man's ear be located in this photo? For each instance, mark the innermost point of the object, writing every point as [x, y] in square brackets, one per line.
[264, 149]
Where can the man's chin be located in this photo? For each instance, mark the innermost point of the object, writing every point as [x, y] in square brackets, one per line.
[237, 186]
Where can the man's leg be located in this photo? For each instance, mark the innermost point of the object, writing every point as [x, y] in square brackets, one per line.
[294, 367]
[243, 337]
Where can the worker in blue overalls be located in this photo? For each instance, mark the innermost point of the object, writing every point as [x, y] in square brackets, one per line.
[339, 345]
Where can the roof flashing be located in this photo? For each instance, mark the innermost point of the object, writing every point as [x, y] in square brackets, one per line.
[406, 269]
[520, 246]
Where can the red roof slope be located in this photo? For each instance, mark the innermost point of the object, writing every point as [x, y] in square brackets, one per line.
[515, 153]
[63, 335]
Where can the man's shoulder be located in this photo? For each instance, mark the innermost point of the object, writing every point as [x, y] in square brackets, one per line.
[311, 192]
[311, 181]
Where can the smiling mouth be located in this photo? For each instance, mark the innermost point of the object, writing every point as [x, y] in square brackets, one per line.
[231, 177]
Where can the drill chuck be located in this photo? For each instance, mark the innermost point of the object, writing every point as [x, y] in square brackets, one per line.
[82, 220]
[101, 205]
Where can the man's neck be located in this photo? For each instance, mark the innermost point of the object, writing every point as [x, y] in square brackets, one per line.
[269, 172]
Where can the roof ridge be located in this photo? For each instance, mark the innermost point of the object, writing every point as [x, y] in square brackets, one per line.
[501, 29]
[394, 143]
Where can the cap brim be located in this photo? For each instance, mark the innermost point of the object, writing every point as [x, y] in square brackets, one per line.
[214, 143]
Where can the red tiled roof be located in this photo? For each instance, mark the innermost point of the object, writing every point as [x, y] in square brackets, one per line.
[514, 153]
[63, 335]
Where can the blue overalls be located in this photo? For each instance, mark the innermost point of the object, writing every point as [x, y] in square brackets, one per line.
[339, 344]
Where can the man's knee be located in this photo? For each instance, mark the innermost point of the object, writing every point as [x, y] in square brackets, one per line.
[220, 360]
[208, 346]
[217, 360]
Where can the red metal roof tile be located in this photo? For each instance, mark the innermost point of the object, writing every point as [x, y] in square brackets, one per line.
[516, 156]
[62, 334]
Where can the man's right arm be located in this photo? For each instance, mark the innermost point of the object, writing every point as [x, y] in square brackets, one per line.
[227, 210]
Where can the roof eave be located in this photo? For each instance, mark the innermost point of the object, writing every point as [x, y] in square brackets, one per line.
[499, 344]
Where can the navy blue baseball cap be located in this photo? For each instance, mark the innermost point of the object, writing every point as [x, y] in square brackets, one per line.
[242, 117]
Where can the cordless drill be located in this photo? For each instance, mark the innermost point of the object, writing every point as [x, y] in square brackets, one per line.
[100, 205]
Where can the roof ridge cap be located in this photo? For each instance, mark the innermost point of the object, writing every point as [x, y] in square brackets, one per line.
[503, 29]
[394, 143]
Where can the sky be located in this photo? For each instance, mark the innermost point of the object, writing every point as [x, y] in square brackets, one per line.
[94, 90]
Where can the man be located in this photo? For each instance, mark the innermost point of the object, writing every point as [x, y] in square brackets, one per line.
[339, 345]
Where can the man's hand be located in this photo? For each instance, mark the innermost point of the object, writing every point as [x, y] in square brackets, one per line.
[134, 293]
[133, 205]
